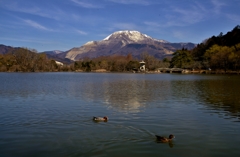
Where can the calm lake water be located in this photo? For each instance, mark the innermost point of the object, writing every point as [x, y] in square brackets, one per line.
[50, 114]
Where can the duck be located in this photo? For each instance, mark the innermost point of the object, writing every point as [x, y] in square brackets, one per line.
[105, 118]
[165, 139]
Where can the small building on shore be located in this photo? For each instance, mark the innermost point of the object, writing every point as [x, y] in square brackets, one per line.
[142, 67]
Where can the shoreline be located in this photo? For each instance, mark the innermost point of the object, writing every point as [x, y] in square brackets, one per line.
[147, 72]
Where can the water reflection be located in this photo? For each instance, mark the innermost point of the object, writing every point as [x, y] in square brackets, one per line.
[128, 95]
[170, 144]
[135, 95]
[51, 113]
[220, 95]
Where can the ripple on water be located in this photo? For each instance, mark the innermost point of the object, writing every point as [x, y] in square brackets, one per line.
[52, 120]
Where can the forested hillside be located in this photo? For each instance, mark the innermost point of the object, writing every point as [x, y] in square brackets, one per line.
[220, 52]
[25, 60]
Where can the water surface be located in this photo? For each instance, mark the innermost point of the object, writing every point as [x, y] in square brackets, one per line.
[50, 114]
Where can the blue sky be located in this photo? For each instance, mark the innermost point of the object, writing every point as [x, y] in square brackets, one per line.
[63, 24]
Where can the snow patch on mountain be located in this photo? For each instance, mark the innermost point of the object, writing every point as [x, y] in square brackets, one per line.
[134, 36]
[89, 43]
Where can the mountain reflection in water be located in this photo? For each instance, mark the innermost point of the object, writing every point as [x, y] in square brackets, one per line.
[128, 95]
[135, 95]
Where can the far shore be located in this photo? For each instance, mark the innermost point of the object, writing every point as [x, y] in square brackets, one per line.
[158, 72]
[182, 71]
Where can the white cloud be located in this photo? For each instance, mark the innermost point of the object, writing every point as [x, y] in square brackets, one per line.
[86, 4]
[36, 25]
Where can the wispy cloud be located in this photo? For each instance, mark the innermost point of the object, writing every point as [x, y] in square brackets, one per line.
[233, 17]
[36, 25]
[81, 32]
[191, 16]
[193, 13]
[35, 10]
[217, 6]
[140, 2]
[177, 16]
[28, 40]
[86, 4]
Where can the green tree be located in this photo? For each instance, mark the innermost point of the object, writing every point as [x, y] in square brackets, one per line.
[219, 57]
[132, 65]
[182, 59]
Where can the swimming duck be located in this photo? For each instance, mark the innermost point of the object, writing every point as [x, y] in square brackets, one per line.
[164, 139]
[100, 118]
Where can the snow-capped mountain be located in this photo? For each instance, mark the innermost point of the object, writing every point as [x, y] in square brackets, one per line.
[131, 36]
[123, 43]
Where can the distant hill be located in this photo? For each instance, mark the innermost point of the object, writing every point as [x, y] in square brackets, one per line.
[50, 54]
[123, 43]
[54, 52]
[55, 55]
[4, 49]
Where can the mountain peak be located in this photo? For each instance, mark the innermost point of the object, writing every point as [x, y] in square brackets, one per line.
[133, 36]
[119, 33]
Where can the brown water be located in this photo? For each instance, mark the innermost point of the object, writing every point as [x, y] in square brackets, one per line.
[50, 114]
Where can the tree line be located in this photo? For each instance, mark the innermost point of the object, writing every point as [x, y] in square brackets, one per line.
[119, 63]
[28, 60]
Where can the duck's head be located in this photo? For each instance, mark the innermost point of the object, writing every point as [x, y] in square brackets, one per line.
[105, 118]
[171, 136]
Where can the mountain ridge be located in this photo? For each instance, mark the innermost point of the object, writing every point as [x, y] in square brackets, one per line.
[119, 43]
[123, 43]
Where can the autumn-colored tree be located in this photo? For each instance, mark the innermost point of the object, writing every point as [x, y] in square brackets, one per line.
[26, 60]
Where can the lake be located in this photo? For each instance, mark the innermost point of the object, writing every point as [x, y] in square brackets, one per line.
[50, 114]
